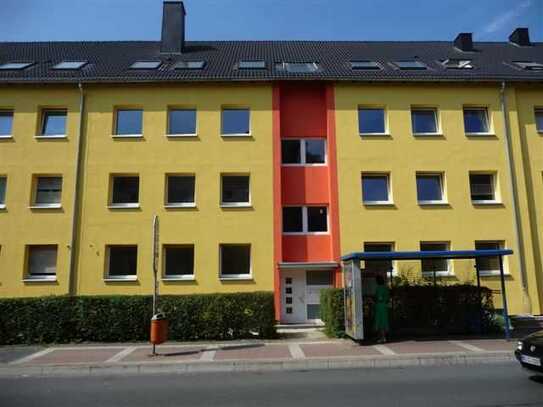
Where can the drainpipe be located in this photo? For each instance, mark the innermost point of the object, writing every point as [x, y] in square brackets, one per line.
[513, 185]
[75, 203]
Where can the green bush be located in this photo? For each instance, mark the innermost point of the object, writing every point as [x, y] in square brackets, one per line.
[127, 318]
[420, 310]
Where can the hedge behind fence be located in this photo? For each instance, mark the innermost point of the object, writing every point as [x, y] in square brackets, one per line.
[127, 318]
[420, 310]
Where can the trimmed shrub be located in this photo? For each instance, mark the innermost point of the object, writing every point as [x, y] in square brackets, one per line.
[127, 318]
[332, 311]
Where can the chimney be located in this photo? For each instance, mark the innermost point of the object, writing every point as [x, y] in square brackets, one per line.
[173, 27]
[464, 42]
[520, 36]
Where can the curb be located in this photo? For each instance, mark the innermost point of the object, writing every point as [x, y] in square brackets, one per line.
[138, 368]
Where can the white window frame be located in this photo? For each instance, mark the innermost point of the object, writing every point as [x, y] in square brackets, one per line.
[489, 132]
[178, 277]
[495, 189]
[305, 220]
[130, 205]
[441, 175]
[181, 135]
[538, 110]
[303, 151]
[236, 276]
[390, 200]
[43, 113]
[492, 273]
[5, 178]
[37, 278]
[386, 129]
[108, 277]
[116, 122]
[247, 204]
[250, 124]
[438, 131]
[392, 248]
[438, 273]
[35, 204]
[168, 204]
[8, 111]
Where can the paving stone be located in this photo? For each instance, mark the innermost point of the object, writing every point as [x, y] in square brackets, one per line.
[337, 349]
[165, 354]
[253, 352]
[63, 356]
[424, 347]
[492, 344]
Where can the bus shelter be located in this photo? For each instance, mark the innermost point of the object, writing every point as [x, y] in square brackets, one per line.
[354, 292]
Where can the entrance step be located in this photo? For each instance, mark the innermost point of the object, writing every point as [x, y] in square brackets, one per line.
[303, 332]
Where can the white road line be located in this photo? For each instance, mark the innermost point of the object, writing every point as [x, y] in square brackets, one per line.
[32, 356]
[121, 355]
[468, 346]
[296, 351]
[385, 350]
[208, 355]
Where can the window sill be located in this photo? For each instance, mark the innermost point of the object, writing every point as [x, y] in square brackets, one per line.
[375, 134]
[487, 203]
[178, 278]
[124, 206]
[493, 273]
[46, 206]
[428, 134]
[236, 205]
[305, 233]
[304, 165]
[52, 136]
[127, 136]
[44, 279]
[6, 136]
[2, 207]
[182, 135]
[378, 203]
[433, 203]
[120, 279]
[430, 274]
[180, 205]
[237, 277]
[480, 134]
[236, 135]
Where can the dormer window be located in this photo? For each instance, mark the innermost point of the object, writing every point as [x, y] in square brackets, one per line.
[365, 66]
[190, 65]
[255, 64]
[15, 66]
[529, 66]
[410, 65]
[145, 65]
[457, 64]
[297, 67]
[70, 65]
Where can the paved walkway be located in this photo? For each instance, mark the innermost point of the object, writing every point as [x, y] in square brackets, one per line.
[250, 356]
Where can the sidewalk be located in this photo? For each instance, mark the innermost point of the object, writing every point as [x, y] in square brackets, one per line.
[96, 359]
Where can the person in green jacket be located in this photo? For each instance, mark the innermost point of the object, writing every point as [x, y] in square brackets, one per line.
[382, 297]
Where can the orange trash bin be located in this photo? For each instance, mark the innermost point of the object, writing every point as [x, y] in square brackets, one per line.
[159, 329]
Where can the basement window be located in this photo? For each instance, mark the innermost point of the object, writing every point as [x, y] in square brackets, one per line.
[457, 64]
[145, 65]
[529, 66]
[297, 67]
[410, 65]
[15, 66]
[365, 66]
[245, 64]
[190, 65]
[70, 65]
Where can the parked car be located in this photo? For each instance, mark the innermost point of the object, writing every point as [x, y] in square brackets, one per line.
[530, 352]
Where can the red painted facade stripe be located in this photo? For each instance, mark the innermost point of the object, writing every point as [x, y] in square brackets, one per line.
[277, 211]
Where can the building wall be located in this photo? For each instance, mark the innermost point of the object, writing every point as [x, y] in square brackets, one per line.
[21, 158]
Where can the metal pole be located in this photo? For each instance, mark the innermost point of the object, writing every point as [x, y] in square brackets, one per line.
[504, 299]
[155, 269]
[479, 295]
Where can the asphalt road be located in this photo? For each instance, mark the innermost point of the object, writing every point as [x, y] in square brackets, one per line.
[477, 386]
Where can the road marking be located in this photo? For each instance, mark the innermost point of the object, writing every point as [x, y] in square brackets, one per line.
[468, 346]
[121, 355]
[208, 355]
[385, 350]
[32, 356]
[296, 351]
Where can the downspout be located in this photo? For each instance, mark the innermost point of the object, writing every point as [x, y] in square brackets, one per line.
[76, 201]
[519, 240]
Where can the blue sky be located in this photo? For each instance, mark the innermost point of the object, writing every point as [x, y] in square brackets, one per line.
[71, 20]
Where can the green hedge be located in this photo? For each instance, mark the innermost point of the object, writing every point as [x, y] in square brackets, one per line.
[127, 318]
[420, 310]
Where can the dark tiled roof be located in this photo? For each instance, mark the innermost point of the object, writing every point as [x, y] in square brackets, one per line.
[110, 61]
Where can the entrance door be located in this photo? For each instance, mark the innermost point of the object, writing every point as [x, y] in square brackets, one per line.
[315, 281]
[293, 305]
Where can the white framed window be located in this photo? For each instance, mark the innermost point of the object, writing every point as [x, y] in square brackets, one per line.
[372, 121]
[3, 188]
[424, 121]
[476, 121]
[376, 189]
[180, 191]
[178, 262]
[538, 113]
[483, 188]
[235, 261]
[41, 262]
[53, 123]
[121, 262]
[305, 220]
[379, 266]
[307, 151]
[128, 123]
[441, 267]
[430, 189]
[124, 191]
[47, 192]
[490, 266]
[181, 122]
[6, 124]
[235, 190]
[235, 122]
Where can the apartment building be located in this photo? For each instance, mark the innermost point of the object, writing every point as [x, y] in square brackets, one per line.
[265, 161]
